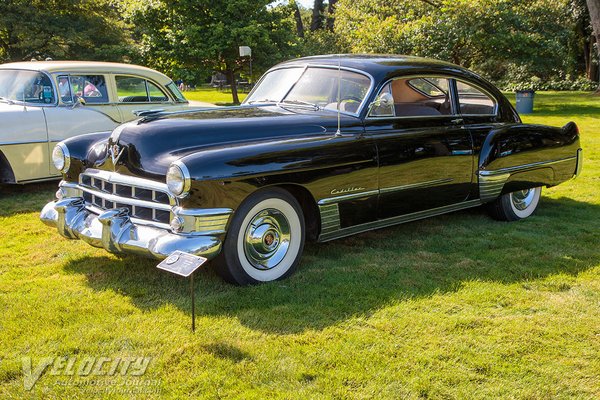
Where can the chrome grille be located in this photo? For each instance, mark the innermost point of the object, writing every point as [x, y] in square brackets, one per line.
[146, 200]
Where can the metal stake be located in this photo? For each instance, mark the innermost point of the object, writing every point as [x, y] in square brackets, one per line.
[193, 303]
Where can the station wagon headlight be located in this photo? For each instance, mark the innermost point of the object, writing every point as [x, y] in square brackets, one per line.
[178, 179]
[61, 158]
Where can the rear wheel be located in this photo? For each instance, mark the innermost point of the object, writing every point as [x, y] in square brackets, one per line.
[265, 239]
[515, 205]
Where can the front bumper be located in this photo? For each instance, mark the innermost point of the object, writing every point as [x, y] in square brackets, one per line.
[114, 231]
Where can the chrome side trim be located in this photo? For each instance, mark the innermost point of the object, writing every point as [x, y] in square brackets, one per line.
[414, 185]
[324, 237]
[330, 218]
[524, 167]
[490, 186]
[28, 142]
[579, 162]
[345, 197]
[206, 221]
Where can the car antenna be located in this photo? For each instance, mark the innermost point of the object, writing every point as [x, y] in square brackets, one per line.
[339, 132]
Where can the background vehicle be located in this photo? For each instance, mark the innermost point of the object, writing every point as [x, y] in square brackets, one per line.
[413, 138]
[42, 103]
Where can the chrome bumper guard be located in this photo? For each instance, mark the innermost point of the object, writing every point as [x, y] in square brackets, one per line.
[114, 231]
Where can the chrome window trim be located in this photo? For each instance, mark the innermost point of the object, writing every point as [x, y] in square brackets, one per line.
[103, 74]
[325, 66]
[455, 113]
[160, 87]
[54, 88]
[449, 78]
[487, 93]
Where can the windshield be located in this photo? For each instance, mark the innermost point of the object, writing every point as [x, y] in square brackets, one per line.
[314, 86]
[26, 86]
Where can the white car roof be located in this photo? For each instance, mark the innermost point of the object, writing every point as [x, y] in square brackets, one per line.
[89, 67]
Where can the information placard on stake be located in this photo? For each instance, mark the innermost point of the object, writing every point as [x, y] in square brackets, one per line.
[184, 264]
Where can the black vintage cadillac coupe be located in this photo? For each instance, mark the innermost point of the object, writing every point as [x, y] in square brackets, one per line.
[323, 147]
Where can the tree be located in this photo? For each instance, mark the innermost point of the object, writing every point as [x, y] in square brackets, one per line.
[185, 34]
[62, 29]
[505, 40]
[317, 16]
[594, 8]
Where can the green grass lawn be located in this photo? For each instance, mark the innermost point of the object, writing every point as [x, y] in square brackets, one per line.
[458, 306]
[210, 95]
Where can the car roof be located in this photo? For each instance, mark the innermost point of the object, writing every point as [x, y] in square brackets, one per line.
[381, 65]
[87, 67]
[384, 66]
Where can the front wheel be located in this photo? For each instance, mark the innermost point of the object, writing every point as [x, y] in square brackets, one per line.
[515, 205]
[265, 239]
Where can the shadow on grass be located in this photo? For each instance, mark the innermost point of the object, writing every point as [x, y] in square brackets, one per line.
[358, 275]
[26, 198]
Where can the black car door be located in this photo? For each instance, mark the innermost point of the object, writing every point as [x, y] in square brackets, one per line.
[425, 153]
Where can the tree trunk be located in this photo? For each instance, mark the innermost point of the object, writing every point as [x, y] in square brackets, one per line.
[331, 15]
[316, 22]
[231, 78]
[594, 8]
[298, 18]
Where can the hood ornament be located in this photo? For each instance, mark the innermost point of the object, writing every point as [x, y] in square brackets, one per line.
[115, 153]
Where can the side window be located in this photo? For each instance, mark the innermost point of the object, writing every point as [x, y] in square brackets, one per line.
[156, 95]
[473, 101]
[64, 89]
[176, 92]
[414, 97]
[92, 88]
[383, 110]
[38, 90]
[131, 89]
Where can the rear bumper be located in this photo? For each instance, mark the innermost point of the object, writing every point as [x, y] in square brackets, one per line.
[114, 231]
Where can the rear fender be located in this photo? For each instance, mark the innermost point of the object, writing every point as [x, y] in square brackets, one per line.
[521, 156]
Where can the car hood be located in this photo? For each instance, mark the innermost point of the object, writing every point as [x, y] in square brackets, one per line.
[152, 143]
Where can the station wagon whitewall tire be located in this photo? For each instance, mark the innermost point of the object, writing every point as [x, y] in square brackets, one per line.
[516, 205]
[265, 239]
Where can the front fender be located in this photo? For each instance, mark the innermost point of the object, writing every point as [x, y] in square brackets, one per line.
[224, 177]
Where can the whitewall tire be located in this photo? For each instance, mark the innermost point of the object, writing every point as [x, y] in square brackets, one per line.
[516, 205]
[265, 239]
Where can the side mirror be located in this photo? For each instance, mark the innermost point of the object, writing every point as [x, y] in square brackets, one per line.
[79, 101]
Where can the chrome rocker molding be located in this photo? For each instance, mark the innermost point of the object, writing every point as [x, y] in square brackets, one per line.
[114, 231]
[334, 232]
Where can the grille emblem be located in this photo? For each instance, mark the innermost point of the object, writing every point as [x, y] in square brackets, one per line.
[115, 153]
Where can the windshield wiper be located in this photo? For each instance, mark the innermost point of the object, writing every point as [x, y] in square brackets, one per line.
[8, 101]
[262, 101]
[302, 103]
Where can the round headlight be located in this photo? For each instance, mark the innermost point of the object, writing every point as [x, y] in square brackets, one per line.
[61, 158]
[178, 179]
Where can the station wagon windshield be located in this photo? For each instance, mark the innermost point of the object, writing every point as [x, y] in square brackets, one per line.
[25, 86]
[313, 86]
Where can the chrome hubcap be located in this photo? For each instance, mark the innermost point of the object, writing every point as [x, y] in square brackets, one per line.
[522, 199]
[267, 239]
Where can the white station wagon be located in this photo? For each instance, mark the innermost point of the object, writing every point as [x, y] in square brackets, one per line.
[44, 102]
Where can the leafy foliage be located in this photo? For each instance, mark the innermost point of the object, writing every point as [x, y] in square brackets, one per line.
[62, 29]
[504, 40]
[180, 35]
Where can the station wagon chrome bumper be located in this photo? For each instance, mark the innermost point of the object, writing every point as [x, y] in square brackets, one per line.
[115, 231]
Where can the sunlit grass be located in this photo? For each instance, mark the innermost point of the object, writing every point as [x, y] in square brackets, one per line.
[214, 96]
[458, 306]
